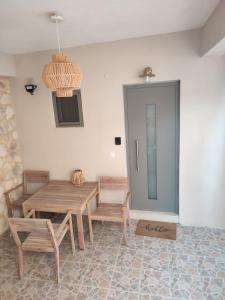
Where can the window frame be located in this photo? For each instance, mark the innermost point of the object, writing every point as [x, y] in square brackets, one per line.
[58, 123]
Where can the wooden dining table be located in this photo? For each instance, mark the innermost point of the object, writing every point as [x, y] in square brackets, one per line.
[60, 196]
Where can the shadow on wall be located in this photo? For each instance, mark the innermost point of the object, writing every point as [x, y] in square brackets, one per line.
[10, 160]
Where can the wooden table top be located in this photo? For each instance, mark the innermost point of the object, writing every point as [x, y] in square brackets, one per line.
[61, 196]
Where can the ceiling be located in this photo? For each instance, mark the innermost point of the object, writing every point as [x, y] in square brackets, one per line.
[25, 27]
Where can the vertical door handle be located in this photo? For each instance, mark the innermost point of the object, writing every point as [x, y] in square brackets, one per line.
[137, 155]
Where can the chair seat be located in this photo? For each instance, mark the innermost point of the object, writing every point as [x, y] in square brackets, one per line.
[39, 242]
[19, 202]
[106, 211]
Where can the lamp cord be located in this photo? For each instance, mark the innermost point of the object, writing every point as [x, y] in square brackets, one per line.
[58, 36]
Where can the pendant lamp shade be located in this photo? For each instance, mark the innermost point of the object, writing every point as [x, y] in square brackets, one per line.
[62, 76]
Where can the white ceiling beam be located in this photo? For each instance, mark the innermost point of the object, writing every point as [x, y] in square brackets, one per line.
[213, 33]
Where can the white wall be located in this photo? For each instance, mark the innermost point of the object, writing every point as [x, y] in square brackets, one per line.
[213, 33]
[202, 128]
[7, 65]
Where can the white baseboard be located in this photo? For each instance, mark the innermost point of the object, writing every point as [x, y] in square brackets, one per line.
[154, 216]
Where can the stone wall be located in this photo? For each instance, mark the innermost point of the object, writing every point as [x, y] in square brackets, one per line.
[10, 160]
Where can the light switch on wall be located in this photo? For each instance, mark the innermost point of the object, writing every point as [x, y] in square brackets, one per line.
[118, 140]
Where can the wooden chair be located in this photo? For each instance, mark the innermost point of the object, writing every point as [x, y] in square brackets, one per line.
[112, 212]
[43, 236]
[29, 177]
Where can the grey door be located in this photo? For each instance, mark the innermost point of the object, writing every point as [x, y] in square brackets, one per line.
[152, 130]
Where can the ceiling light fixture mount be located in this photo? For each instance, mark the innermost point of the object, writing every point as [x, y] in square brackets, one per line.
[61, 75]
[56, 18]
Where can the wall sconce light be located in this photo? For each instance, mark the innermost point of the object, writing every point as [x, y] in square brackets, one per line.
[147, 74]
[30, 87]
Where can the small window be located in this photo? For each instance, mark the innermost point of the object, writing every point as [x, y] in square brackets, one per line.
[68, 110]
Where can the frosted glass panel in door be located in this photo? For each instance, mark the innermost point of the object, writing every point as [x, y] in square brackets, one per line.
[151, 150]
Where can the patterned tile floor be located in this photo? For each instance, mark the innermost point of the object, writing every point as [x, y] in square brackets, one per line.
[192, 267]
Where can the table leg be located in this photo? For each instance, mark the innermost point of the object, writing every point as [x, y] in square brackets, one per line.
[80, 230]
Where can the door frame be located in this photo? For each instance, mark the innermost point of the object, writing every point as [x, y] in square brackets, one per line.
[175, 83]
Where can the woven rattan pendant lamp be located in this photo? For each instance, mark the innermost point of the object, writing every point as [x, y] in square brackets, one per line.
[61, 75]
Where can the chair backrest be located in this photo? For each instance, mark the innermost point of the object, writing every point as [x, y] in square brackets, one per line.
[112, 183]
[38, 226]
[34, 177]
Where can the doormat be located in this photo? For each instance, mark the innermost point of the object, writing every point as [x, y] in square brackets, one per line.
[156, 229]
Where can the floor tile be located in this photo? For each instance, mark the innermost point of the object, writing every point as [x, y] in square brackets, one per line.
[61, 291]
[214, 288]
[113, 226]
[150, 297]
[155, 283]
[184, 231]
[120, 294]
[218, 233]
[192, 267]
[160, 261]
[27, 289]
[73, 272]
[11, 287]
[186, 287]
[134, 242]
[212, 267]
[208, 234]
[81, 256]
[112, 231]
[43, 271]
[184, 264]
[126, 279]
[92, 293]
[98, 276]
[183, 246]
[156, 243]
[210, 248]
[107, 240]
[130, 258]
[7, 247]
[105, 255]
[8, 266]
[97, 226]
